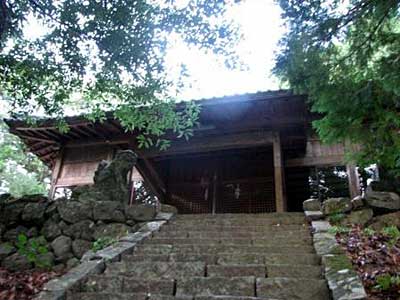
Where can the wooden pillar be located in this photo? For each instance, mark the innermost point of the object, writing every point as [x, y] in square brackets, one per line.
[354, 181]
[214, 192]
[55, 173]
[279, 175]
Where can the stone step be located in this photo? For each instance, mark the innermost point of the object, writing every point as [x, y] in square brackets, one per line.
[236, 270]
[258, 229]
[289, 288]
[216, 249]
[290, 235]
[213, 286]
[261, 270]
[240, 222]
[129, 296]
[294, 271]
[156, 270]
[249, 233]
[269, 258]
[124, 296]
[269, 216]
[124, 284]
[229, 298]
[244, 219]
[181, 257]
[226, 241]
[229, 258]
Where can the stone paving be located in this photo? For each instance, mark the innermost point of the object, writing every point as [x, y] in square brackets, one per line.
[210, 257]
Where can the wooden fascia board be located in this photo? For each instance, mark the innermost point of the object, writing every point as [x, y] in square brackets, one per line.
[331, 160]
[213, 143]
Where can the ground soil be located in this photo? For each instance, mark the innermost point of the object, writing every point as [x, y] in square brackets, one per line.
[373, 255]
[23, 285]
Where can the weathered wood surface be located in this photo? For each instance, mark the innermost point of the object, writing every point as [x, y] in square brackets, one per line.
[279, 177]
[214, 143]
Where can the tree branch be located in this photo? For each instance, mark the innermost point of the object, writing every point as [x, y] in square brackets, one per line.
[369, 37]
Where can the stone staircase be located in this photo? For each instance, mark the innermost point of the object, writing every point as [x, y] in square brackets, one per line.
[210, 257]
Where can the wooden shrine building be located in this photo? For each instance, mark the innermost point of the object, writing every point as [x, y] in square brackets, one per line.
[251, 153]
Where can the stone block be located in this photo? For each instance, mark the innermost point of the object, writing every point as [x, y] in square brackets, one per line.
[203, 286]
[343, 281]
[140, 212]
[325, 243]
[135, 285]
[236, 270]
[157, 270]
[62, 247]
[357, 202]
[359, 217]
[84, 230]
[228, 259]
[111, 211]
[74, 211]
[113, 230]
[320, 226]
[152, 226]
[74, 277]
[101, 283]
[313, 215]
[382, 200]
[293, 259]
[336, 205]
[114, 251]
[51, 230]
[34, 212]
[290, 288]
[294, 271]
[79, 247]
[165, 208]
[312, 205]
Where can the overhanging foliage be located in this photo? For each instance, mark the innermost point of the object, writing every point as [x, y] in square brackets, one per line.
[345, 56]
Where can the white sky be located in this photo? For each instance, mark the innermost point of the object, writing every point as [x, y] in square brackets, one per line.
[261, 26]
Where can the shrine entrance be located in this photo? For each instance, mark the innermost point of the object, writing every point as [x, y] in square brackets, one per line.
[240, 181]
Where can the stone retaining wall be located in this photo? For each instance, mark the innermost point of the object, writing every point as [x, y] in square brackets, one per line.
[94, 263]
[67, 228]
[343, 280]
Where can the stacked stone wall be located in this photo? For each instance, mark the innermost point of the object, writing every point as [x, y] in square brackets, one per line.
[67, 228]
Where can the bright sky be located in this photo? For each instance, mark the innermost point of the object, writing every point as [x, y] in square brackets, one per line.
[262, 27]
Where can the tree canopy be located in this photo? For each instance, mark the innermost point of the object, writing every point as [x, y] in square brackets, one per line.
[108, 53]
[346, 56]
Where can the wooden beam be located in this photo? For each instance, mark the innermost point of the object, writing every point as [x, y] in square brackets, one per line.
[150, 180]
[309, 161]
[354, 181]
[116, 139]
[52, 134]
[213, 143]
[80, 131]
[37, 145]
[47, 155]
[33, 138]
[45, 147]
[154, 174]
[279, 176]
[94, 131]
